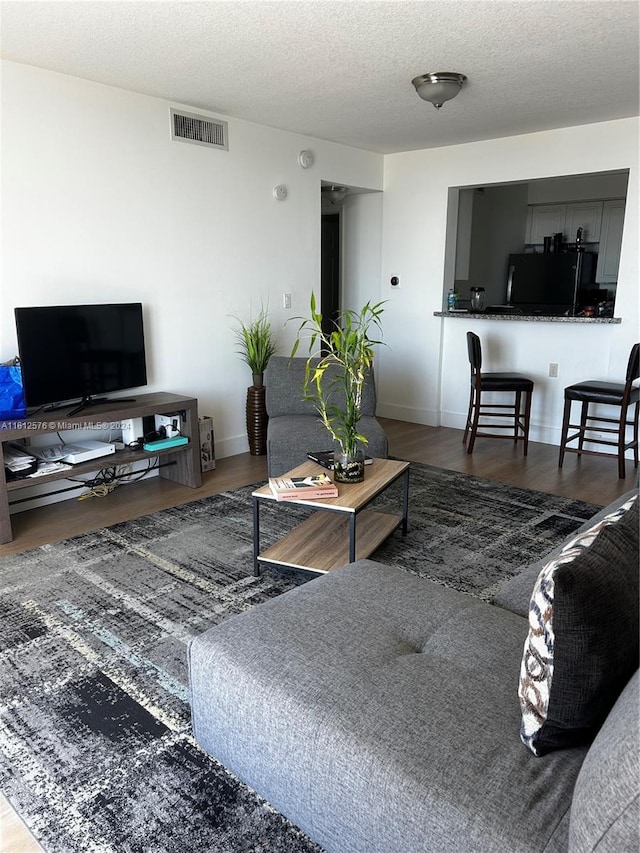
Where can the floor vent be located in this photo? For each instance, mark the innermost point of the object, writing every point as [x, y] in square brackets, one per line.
[188, 127]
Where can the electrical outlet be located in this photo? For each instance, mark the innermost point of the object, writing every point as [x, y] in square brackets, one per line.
[553, 370]
[286, 300]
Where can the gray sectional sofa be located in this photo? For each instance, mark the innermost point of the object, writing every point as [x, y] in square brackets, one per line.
[380, 711]
[294, 427]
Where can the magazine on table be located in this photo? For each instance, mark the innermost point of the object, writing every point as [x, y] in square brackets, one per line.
[325, 458]
[313, 487]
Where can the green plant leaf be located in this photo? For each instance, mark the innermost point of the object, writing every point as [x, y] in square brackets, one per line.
[348, 348]
[256, 341]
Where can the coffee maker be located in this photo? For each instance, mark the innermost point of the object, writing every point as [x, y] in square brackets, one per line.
[553, 243]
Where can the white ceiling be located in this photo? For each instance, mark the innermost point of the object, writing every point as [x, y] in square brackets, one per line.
[341, 69]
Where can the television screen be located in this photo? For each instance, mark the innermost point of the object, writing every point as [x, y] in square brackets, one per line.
[70, 352]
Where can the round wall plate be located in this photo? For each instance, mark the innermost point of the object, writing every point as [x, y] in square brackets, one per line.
[280, 192]
[305, 159]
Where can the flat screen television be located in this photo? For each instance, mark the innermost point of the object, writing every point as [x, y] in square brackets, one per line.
[80, 352]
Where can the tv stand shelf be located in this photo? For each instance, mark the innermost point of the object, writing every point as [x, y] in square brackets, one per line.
[184, 461]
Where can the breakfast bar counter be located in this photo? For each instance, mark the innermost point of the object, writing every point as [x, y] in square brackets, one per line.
[554, 351]
[525, 318]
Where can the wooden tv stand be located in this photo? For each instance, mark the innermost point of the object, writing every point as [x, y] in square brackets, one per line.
[180, 464]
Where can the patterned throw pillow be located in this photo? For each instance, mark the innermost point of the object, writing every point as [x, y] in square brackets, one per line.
[582, 645]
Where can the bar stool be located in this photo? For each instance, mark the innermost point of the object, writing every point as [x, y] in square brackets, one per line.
[515, 383]
[621, 395]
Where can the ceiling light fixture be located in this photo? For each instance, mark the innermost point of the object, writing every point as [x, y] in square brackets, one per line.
[334, 194]
[438, 87]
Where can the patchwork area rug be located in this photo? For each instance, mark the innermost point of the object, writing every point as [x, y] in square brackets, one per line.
[96, 750]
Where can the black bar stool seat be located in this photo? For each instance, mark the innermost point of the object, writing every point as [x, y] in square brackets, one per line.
[594, 392]
[506, 382]
[606, 393]
[516, 427]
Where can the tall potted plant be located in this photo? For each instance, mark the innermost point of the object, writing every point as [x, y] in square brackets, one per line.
[256, 344]
[341, 357]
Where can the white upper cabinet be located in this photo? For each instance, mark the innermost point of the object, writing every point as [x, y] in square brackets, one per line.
[545, 220]
[586, 215]
[610, 241]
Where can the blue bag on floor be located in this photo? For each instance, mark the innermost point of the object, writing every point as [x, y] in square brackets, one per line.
[12, 403]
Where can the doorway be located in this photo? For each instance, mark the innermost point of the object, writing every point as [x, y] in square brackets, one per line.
[330, 270]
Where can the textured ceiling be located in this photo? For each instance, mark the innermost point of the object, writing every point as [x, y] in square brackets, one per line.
[342, 70]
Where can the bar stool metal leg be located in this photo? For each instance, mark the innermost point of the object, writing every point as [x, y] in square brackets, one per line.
[475, 420]
[583, 425]
[527, 419]
[622, 435]
[469, 413]
[566, 417]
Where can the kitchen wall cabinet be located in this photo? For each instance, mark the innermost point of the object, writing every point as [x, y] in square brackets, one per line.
[586, 215]
[610, 241]
[545, 220]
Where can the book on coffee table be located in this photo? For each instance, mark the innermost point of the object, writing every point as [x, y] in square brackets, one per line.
[313, 487]
[325, 458]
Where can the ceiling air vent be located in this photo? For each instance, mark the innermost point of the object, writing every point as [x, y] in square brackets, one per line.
[188, 127]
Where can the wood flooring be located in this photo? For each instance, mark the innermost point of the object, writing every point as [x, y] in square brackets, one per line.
[592, 478]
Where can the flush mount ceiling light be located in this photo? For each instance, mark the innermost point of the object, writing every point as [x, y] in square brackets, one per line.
[438, 87]
[334, 194]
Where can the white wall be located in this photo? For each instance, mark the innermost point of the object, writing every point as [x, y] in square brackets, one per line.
[100, 205]
[424, 375]
[362, 245]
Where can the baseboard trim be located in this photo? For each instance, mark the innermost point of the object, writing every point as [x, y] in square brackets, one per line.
[427, 417]
[233, 446]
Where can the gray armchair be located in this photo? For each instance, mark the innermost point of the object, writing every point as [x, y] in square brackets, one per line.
[294, 425]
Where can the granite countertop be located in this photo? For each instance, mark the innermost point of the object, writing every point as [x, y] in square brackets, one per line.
[525, 318]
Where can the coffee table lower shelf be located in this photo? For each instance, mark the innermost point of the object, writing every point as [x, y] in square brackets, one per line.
[321, 542]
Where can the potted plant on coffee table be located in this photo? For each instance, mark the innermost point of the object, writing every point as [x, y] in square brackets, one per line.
[341, 357]
[256, 344]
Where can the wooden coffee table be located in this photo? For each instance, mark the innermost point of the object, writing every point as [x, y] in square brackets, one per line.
[342, 530]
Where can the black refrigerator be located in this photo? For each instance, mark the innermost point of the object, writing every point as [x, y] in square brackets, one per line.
[552, 283]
